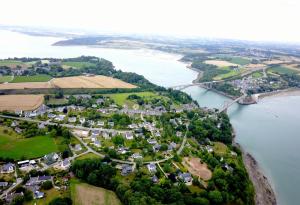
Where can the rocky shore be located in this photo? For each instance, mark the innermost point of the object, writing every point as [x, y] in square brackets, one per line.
[264, 194]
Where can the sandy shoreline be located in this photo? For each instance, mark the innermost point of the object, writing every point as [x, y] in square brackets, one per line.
[280, 93]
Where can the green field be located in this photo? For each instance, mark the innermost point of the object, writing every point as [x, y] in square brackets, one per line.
[33, 78]
[5, 78]
[229, 74]
[50, 195]
[11, 63]
[239, 60]
[16, 147]
[85, 194]
[121, 98]
[88, 156]
[257, 75]
[77, 64]
[282, 70]
[57, 101]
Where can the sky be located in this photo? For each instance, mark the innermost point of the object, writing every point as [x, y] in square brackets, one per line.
[271, 20]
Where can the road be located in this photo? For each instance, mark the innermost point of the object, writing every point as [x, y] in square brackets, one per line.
[19, 181]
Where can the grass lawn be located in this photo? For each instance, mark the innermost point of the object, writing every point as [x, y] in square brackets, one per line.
[16, 147]
[220, 148]
[85, 194]
[88, 156]
[34, 78]
[77, 64]
[283, 70]
[49, 196]
[55, 101]
[257, 75]
[5, 78]
[121, 98]
[12, 63]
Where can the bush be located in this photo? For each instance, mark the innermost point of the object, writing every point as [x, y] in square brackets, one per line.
[47, 185]
[61, 201]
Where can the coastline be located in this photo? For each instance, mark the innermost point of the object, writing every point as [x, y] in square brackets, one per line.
[264, 192]
[279, 93]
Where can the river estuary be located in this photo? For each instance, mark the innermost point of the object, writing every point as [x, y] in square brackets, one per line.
[268, 130]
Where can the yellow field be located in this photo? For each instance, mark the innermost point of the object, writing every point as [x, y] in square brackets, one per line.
[71, 82]
[220, 63]
[197, 168]
[22, 86]
[86, 195]
[90, 82]
[20, 102]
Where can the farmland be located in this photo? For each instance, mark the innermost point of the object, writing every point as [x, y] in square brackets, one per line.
[34, 78]
[239, 60]
[13, 63]
[16, 147]
[70, 82]
[90, 82]
[20, 102]
[84, 194]
[6, 78]
[220, 63]
[283, 70]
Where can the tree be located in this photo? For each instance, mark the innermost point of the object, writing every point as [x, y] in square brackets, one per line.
[118, 140]
[18, 200]
[47, 185]
[59, 93]
[215, 197]
[61, 201]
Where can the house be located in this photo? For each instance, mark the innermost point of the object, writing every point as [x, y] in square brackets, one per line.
[126, 169]
[7, 168]
[18, 130]
[136, 156]
[179, 134]
[91, 122]
[100, 101]
[185, 177]
[129, 135]
[51, 158]
[51, 115]
[93, 138]
[84, 133]
[154, 179]
[77, 147]
[60, 117]
[111, 124]
[84, 96]
[172, 146]
[156, 147]
[100, 123]
[227, 167]
[65, 164]
[3, 184]
[95, 133]
[32, 162]
[82, 120]
[209, 148]
[38, 195]
[38, 180]
[122, 150]
[14, 123]
[105, 135]
[23, 164]
[41, 125]
[97, 143]
[152, 141]
[157, 134]
[72, 119]
[151, 167]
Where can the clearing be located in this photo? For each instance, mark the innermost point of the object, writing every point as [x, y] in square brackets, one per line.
[33, 78]
[197, 168]
[220, 148]
[121, 98]
[17, 147]
[239, 60]
[283, 70]
[20, 102]
[220, 63]
[74, 64]
[85, 194]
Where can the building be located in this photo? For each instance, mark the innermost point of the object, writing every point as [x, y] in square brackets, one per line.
[77, 147]
[51, 158]
[3, 184]
[185, 177]
[72, 119]
[38, 195]
[126, 169]
[95, 133]
[154, 179]
[156, 147]
[136, 156]
[129, 135]
[151, 167]
[97, 143]
[65, 164]
[8, 168]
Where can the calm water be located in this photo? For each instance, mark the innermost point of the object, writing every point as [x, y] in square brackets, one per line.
[268, 130]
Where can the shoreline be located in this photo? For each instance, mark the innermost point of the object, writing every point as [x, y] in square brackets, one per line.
[279, 93]
[264, 192]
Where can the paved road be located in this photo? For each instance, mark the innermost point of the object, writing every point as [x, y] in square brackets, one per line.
[183, 141]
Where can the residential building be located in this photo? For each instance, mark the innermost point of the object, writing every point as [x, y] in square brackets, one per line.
[8, 168]
[151, 167]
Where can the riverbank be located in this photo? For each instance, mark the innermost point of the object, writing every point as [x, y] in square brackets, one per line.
[280, 93]
[264, 193]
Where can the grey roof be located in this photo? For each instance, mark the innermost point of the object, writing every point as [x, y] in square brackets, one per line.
[3, 184]
[44, 178]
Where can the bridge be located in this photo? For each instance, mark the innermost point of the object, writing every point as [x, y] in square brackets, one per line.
[206, 84]
[228, 104]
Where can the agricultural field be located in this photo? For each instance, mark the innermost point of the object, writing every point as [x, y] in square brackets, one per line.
[6, 78]
[231, 72]
[71, 82]
[13, 63]
[17, 147]
[220, 63]
[257, 75]
[69, 64]
[34, 78]
[121, 98]
[90, 82]
[20, 102]
[283, 70]
[239, 60]
[197, 168]
[85, 194]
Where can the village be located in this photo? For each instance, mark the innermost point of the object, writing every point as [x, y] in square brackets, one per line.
[128, 135]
